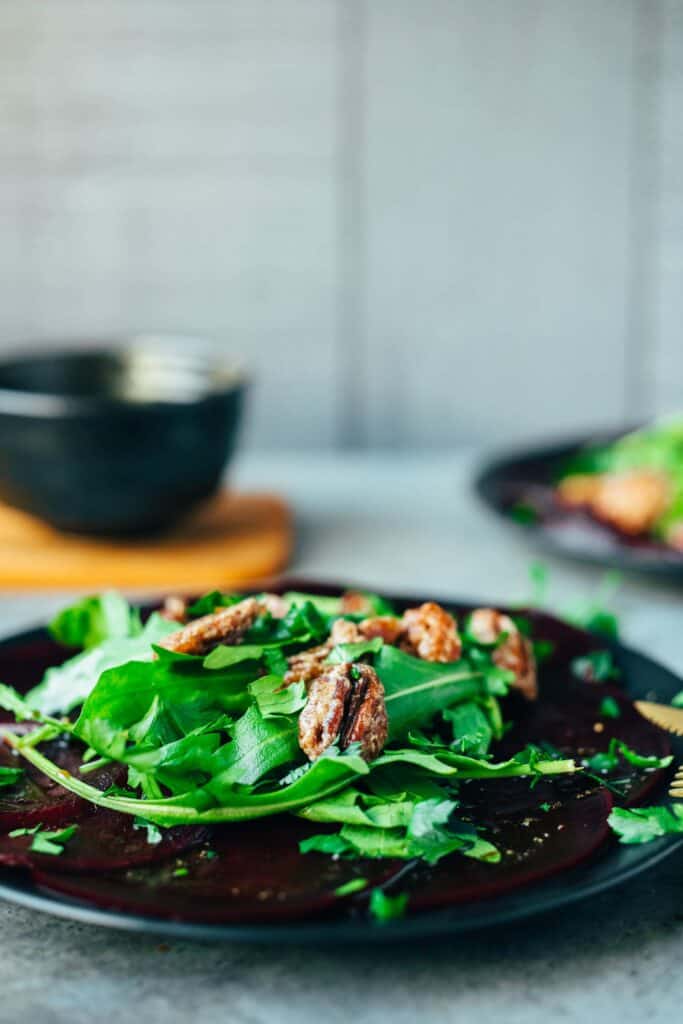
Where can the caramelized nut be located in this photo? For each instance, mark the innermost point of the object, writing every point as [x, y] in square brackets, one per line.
[431, 633]
[515, 653]
[346, 703]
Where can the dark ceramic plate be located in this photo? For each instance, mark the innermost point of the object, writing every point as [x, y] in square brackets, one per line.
[519, 487]
[24, 657]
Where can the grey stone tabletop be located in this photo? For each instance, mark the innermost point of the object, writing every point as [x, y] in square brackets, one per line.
[395, 523]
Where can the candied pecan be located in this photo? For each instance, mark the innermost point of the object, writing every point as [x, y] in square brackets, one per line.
[225, 626]
[354, 602]
[674, 535]
[307, 665]
[346, 703]
[579, 488]
[514, 653]
[274, 604]
[388, 627]
[431, 633]
[632, 502]
[174, 609]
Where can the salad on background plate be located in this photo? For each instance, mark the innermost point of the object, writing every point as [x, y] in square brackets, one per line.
[293, 756]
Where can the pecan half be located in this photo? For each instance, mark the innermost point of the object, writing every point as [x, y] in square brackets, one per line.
[388, 627]
[632, 502]
[431, 633]
[306, 665]
[227, 625]
[354, 602]
[174, 609]
[346, 703]
[515, 653]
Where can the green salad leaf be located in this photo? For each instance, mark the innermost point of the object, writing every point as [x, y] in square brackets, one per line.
[66, 686]
[644, 824]
[94, 619]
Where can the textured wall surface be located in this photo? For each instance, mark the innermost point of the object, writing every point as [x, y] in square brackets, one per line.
[419, 223]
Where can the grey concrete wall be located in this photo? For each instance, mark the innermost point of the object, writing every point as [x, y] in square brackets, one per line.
[420, 223]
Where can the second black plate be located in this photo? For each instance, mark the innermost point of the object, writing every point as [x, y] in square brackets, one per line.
[518, 487]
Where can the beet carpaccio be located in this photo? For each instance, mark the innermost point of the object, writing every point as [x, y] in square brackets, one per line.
[276, 756]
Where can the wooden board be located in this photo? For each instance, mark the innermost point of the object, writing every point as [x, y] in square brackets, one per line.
[234, 539]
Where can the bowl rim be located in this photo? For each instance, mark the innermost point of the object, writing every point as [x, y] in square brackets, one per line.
[226, 374]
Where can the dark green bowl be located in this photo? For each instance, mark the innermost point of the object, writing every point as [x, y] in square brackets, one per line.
[116, 440]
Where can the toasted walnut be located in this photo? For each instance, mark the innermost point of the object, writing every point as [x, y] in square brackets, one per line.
[431, 633]
[387, 627]
[174, 609]
[225, 626]
[579, 488]
[632, 502]
[515, 653]
[345, 703]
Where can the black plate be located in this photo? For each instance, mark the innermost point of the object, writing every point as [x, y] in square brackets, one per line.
[527, 477]
[29, 652]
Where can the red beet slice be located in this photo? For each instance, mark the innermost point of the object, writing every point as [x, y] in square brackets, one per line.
[254, 872]
[37, 800]
[103, 841]
[533, 847]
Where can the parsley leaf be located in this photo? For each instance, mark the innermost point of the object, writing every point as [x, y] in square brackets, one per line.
[51, 843]
[595, 667]
[354, 885]
[609, 708]
[387, 908]
[643, 824]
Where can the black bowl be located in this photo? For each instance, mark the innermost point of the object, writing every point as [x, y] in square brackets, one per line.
[118, 440]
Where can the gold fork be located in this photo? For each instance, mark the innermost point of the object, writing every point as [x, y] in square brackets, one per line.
[670, 719]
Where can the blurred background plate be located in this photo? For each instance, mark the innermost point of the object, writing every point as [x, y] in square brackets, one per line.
[518, 487]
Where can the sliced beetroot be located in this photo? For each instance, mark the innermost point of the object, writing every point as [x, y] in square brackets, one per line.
[103, 841]
[37, 800]
[567, 714]
[249, 872]
[534, 846]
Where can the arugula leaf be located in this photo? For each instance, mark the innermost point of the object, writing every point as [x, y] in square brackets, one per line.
[472, 731]
[387, 908]
[225, 657]
[331, 843]
[274, 698]
[416, 690]
[94, 619]
[208, 603]
[343, 653]
[303, 624]
[258, 746]
[643, 824]
[64, 687]
[595, 667]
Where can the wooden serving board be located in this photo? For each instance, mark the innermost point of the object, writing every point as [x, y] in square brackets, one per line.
[233, 539]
